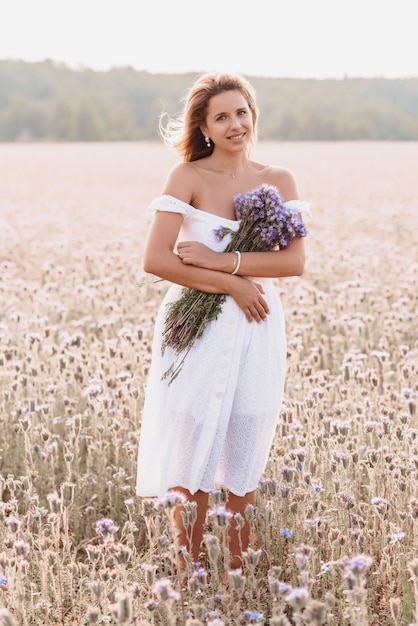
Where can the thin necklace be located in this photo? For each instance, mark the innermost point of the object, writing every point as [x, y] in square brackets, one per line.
[231, 174]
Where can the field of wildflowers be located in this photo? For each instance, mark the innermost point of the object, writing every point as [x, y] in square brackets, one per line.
[335, 526]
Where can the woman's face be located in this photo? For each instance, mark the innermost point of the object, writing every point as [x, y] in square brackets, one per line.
[229, 123]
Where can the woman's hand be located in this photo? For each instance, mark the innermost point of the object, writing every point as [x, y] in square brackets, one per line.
[248, 296]
[195, 253]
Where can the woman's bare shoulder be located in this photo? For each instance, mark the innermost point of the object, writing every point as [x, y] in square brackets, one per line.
[284, 179]
[180, 181]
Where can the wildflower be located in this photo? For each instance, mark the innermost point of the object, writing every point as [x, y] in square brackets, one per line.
[347, 499]
[151, 605]
[21, 547]
[220, 496]
[163, 589]
[358, 564]
[93, 615]
[317, 488]
[297, 598]
[92, 390]
[251, 617]
[106, 526]
[315, 612]
[163, 541]
[286, 533]
[170, 500]
[222, 515]
[14, 524]
[284, 490]
[32, 337]
[3, 580]
[284, 588]
[396, 537]
[124, 607]
[201, 575]
[252, 557]
[250, 513]
[67, 493]
[287, 472]
[220, 233]
[236, 580]
[381, 504]
[327, 567]
[268, 486]
[149, 572]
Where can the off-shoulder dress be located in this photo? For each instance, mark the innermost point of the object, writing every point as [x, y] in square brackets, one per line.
[214, 424]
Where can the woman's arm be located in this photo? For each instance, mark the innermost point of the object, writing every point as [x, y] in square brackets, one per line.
[274, 264]
[161, 260]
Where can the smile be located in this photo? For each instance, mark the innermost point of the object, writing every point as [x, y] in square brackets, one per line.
[237, 137]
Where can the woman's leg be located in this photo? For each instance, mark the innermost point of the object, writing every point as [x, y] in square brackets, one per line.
[239, 539]
[192, 536]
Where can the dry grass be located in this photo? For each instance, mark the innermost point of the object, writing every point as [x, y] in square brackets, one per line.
[335, 530]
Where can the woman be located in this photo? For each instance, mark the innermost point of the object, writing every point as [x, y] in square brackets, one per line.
[214, 424]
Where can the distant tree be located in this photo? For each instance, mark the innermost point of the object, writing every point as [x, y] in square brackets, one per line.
[49, 101]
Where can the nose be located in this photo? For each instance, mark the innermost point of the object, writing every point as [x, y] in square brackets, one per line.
[235, 122]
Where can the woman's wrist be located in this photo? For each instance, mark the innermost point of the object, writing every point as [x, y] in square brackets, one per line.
[237, 262]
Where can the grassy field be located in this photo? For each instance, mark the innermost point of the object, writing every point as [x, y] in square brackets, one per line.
[335, 529]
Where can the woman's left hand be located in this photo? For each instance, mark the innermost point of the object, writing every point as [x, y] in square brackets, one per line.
[195, 253]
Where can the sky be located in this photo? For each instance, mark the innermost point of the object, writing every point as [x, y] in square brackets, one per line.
[274, 38]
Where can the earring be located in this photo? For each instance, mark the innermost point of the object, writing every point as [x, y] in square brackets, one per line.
[207, 141]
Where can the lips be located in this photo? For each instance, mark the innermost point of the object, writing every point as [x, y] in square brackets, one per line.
[237, 137]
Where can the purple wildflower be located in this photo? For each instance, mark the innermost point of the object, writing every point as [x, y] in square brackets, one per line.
[106, 526]
[395, 537]
[220, 232]
[170, 500]
[163, 589]
[251, 617]
[286, 533]
[298, 598]
[358, 564]
[222, 514]
[284, 588]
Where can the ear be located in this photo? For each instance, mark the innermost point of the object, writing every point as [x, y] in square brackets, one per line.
[203, 130]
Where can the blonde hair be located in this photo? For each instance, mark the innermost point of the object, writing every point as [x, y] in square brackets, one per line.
[183, 133]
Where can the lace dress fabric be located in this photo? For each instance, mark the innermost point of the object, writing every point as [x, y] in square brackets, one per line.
[214, 424]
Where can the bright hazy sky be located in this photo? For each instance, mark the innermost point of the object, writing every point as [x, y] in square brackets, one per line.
[298, 38]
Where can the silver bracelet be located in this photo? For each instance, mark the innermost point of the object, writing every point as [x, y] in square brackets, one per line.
[237, 261]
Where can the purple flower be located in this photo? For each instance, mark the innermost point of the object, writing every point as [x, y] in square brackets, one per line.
[298, 597]
[284, 588]
[170, 500]
[106, 526]
[249, 616]
[358, 564]
[163, 588]
[286, 533]
[222, 515]
[395, 537]
[221, 232]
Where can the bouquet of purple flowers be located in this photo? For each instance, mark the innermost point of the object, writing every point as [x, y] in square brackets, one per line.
[265, 223]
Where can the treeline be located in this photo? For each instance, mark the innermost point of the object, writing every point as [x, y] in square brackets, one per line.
[50, 102]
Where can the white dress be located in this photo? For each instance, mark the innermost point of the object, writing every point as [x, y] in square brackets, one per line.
[214, 424]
